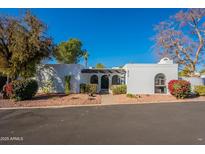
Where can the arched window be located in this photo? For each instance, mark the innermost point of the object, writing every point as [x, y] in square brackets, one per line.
[160, 83]
[115, 80]
[94, 79]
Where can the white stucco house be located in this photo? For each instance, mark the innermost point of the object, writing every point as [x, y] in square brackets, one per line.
[139, 78]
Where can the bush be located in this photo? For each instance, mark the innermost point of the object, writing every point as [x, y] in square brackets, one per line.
[7, 91]
[88, 88]
[47, 87]
[24, 89]
[3, 80]
[200, 90]
[67, 84]
[131, 95]
[179, 88]
[82, 88]
[119, 89]
[91, 89]
[20, 89]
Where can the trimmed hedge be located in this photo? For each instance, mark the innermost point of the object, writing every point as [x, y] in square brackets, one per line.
[179, 88]
[119, 89]
[88, 88]
[21, 89]
[200, 90]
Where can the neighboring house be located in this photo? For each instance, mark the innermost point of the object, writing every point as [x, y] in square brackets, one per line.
[195, 81]
[203, 78]
[139, 78]
[150, 78]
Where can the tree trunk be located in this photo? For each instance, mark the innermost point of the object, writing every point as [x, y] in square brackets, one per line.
[86, 63]
[192, 69]
[7, 80]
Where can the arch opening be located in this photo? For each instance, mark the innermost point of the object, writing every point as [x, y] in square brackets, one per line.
[160, 84]
[94, 79]
[105, 82]
[116, 80]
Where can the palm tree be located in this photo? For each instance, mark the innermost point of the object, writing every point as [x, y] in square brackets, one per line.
[85, 56]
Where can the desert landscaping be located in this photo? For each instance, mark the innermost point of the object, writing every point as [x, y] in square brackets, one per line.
[45, 100]
[147, 99]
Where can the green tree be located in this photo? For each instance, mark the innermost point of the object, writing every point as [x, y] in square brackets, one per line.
[69, 52]
[202, 72]
[23, 45]
[100, 66]
[85, 56]
[184, 73]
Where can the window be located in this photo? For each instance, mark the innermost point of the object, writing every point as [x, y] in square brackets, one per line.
[115, 80]
[160, 83]
[94, 79]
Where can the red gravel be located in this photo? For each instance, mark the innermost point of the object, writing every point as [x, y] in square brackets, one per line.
[121, 99]
[53, 100]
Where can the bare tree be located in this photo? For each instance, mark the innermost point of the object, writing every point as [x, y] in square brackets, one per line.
[182, 38]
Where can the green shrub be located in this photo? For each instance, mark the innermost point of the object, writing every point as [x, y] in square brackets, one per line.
[82, 88]
[119, 89]
[88, 88]
[24, 89]
[91, 88]
[67, 84]
[47, 87]
[200, 90]
[131, 95]
[3, 80]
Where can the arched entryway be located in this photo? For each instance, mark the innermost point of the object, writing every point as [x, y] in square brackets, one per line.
[160, 83]
[105, 82]
[94, 79]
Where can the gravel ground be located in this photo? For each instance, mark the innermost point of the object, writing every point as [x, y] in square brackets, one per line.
[53, 100]
[152, 99]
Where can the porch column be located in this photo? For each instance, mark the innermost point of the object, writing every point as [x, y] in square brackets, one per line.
[99, 82]
[110, 83]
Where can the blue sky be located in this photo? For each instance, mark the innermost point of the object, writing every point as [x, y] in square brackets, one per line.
[113, 37]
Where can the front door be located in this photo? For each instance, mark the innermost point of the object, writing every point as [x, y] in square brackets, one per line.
[104, 82]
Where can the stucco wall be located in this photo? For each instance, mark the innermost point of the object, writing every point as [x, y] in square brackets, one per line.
[56, 73]
[140, 77]
[87, 76]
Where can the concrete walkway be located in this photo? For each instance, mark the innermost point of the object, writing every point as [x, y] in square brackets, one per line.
[107, 99]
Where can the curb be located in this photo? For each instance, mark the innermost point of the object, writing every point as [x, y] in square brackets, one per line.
[98, 105]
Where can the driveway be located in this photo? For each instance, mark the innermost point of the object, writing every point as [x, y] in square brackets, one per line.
[169, 123]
